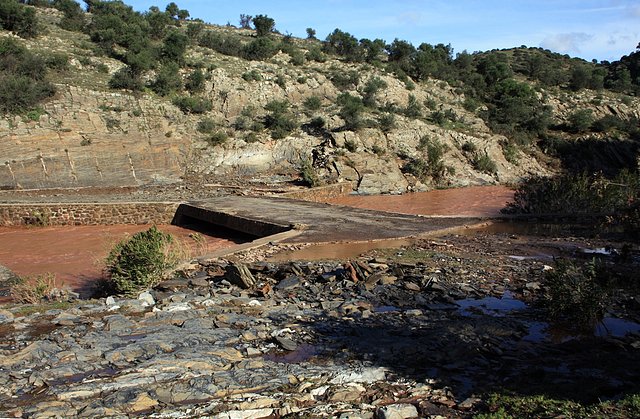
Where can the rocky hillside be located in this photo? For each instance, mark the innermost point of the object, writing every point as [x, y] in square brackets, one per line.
[318, 118]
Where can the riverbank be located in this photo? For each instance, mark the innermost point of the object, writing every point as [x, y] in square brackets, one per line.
[433, 328]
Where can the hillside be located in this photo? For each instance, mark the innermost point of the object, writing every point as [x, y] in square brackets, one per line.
[207, 103]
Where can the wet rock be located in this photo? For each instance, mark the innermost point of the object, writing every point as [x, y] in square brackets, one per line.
[286, 344]
[397, 411]
[288, 283]
[239, 274]
[172, 285]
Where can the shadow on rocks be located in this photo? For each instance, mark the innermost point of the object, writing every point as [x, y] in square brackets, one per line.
[480, 354]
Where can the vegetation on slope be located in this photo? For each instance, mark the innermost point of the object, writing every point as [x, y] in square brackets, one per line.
[511, 90]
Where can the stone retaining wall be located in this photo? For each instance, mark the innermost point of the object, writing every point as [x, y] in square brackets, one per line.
[322, 193]
[87, 213]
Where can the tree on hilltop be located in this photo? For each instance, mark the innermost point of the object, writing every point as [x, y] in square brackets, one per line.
[264, 25]
[245, 21]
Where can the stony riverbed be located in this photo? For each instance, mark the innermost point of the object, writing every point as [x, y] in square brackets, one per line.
[426, 330]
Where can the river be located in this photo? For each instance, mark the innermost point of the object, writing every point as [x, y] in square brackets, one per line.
[75, 254]
[474, 201]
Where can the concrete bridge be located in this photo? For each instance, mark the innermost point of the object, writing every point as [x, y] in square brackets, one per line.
[310, 222]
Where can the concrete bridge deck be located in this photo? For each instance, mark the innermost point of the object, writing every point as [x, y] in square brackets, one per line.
[311, 222]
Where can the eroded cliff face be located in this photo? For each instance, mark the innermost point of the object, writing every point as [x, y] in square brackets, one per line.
[90, 138]
[89, 135]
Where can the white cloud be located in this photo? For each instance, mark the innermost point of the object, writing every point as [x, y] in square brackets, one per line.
[566, 42]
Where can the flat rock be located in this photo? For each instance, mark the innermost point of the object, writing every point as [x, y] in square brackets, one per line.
[397, 411]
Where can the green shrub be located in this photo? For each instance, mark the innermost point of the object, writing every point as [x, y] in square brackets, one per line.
[253, 75]
[280, 121]
[57, 61]
[73, 19]
[193, 104]
[217, 138]
[387, 122]
[316, 54]
[471, 104]
[580, 120]
[371, 88]
[126, 78]
[18, 18]
[413, 108]
[139, 262]
[224, 44]
[195, 81]
[297, 59]
[259, 49]
[309, 175]
[312, 103]
[206, 125]
[469, 147]
[350, 145]
[168, 79]
[22, 77]
[578, 294]
[510, 151]
[418, 167]
[483, 163]
[281, 81]
[351, 108]
[35, 114]
[345, 80]
[20, 93]
[251, 138]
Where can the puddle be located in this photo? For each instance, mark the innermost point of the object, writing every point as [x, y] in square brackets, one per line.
[537, 332]
[490, 305]
[81, 377]
[535, 257]
[601, 251]
[608, 327]
[385, 309]
[614, 327]
[302, 353]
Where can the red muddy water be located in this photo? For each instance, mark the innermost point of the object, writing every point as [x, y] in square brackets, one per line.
[75, 253]
[475, 201]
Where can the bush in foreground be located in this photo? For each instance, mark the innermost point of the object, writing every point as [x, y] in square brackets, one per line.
[139, 262]
[578, 294]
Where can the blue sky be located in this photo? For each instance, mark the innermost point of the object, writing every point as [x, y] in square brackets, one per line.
[600, 29]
